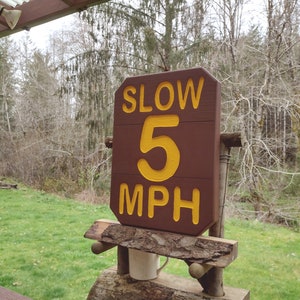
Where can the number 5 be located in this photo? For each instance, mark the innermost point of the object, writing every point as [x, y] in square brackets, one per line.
[148, 142]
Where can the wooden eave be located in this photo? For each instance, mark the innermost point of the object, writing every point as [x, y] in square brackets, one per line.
[37, 12]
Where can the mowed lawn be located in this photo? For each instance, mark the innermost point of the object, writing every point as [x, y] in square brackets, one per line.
[43, 252]
[44, 255]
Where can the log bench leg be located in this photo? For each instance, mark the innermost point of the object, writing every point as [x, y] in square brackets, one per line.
[110, 285]
[123, 260]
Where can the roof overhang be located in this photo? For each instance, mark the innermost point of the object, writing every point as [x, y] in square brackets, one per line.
[37, 12]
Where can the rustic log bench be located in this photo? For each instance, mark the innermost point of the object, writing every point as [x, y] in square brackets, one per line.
[200, 253]
[212, 251]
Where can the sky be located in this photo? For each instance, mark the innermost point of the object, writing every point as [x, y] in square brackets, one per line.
[39, 35]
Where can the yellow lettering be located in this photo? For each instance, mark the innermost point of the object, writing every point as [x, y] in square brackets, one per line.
[143, 108]
[124, 197]
[190, 89]
[157, 99]
[153, 201]
[148, 142]
[131, 101]
[194, 205]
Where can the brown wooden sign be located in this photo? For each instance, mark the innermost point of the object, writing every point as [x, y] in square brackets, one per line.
[165, 168]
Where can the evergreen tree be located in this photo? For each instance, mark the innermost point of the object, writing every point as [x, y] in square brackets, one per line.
[37, 107]
[6, 87]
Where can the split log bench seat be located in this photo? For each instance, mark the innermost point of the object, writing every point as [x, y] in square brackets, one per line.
[199, 252]
[208, 250]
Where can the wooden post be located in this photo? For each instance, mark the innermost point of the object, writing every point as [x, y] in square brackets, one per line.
[100, 247]
[123, 260]
[212, 281]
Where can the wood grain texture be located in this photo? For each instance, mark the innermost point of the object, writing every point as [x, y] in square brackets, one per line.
[210, 250]
[109, 285]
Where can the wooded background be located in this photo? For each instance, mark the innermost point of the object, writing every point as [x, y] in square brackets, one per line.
[56, 106]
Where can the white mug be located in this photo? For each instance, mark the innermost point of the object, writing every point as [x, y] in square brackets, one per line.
[144, 265]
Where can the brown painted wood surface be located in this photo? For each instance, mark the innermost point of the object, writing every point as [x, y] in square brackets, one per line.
[229, 139]
[6, 294]
[232, 139]
[37, 12]
[109, 285]
[200, 249]
[151, 123]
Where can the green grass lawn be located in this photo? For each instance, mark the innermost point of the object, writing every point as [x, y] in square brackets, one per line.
[44, 255]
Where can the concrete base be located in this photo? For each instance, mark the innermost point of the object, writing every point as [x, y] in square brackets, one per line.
[110, 285]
